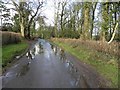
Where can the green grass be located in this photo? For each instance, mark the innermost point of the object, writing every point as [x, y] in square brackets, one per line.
[9, 51]
[0, 55]
[0, 60]
[96, 59]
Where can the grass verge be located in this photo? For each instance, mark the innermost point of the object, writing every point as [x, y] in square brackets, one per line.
[11, 50]
[98, 60]
[0, 60]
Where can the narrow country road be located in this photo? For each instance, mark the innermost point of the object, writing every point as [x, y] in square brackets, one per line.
[51, 67]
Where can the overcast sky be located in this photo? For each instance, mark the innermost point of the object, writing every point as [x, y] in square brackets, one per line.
[48, 10]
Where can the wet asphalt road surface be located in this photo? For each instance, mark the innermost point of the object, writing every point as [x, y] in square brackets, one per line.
[48, 66]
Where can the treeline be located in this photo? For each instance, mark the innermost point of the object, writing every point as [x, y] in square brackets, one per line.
[23, 19]
[87, 20]
[84, 20]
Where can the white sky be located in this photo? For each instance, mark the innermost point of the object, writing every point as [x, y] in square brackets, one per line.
[48, 11]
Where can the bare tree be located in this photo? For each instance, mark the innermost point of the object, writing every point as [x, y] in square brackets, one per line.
[94, 5]
[26, 13]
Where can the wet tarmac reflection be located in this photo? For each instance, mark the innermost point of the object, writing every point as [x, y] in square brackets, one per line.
[69, 65]
[24, 70]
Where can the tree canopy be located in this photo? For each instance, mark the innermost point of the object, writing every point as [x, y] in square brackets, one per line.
[84, 20]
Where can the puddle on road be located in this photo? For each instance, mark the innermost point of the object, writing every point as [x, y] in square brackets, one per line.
[24, 70]
[54, 48]
[45, 47]
[78, 78]
[48, 49]
[10, 74]
[7, 77]
[36, 50]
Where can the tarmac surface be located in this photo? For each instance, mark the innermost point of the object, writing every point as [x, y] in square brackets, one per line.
[47, 66]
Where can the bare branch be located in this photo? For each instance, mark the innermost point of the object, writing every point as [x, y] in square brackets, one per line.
[15, 4]
[39, 6]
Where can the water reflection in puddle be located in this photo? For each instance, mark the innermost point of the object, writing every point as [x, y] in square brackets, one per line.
[36, 50]
[67, 63]
[54, 48]
[62, 55]
[72, 69]
[49, 49]
[61, 58]
[10, 74]
[24, 70]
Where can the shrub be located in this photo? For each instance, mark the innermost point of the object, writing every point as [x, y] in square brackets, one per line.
[112, 49]
[69, 34]
[10, 37]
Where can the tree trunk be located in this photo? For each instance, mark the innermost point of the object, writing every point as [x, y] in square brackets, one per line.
[103, 36]
[113, 34]
[22, 27]
[22, 30]
[105, 21]
[28, 28]
[86, 34]
[93, 12]
[92, 26]
[28, 34]
[110, 31]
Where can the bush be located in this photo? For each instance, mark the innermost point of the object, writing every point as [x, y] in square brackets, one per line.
[10, 37]
[96, 37]
[69, 34]
[112, 49]
[46, 34]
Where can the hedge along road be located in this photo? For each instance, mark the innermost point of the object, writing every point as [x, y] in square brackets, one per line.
[48, 66]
